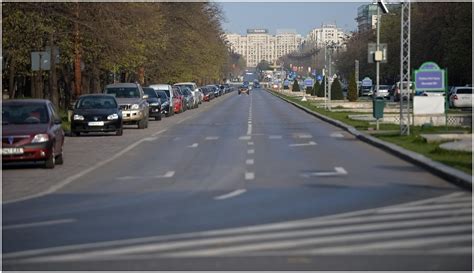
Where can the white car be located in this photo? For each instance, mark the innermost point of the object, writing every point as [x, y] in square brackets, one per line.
[197, 95]
[383, 91]
[461, 96]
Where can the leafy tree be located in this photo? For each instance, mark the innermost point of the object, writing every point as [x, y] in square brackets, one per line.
[320, 91]
[336, 90]
[352, 94]
[296, 86]
[263, 65]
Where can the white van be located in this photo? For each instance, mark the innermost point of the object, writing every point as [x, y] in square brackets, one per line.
[169, 91]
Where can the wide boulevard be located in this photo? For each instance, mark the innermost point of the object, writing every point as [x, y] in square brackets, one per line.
[245, 182]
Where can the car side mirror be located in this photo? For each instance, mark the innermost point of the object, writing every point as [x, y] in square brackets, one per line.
[145, 97]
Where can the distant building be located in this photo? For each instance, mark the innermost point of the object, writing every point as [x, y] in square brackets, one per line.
[327, 33]
[367, 16]
[259, 45]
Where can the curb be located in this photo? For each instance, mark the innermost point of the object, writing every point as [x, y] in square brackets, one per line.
[448, 173]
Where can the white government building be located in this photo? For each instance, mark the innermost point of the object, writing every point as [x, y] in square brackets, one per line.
[259, 45]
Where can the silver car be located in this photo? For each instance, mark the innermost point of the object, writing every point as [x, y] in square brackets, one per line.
[132, 101]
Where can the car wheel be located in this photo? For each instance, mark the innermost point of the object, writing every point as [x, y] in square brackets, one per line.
[141, 123]
[59, 159]
[119, 132]
[75, 134]
[51, 161]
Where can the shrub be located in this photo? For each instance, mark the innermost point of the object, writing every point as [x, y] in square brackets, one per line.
[309, 90]
[320, 91]
[336, 90]
[352, 89]
[316, 88]
[296, 86]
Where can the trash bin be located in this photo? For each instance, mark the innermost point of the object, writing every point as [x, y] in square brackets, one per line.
[377, 107]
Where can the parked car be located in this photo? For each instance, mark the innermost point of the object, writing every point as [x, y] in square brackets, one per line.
[208, 93]
[165, 102]
[395, 91]
[178, 100]
[168, 89]
[132, 101]
[197, 95]
[213, 89]
[31, 131]
[366, 90]
[188, 98]
[383, 91]
[154, 103]
[96, 113]
[461, 97]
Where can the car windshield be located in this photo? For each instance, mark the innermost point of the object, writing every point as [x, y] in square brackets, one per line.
[464, 91]
[123, 92]
[384, 87]
[186, 85]
[96, 103]
[150, 92]
[162, 95]
[24, 113]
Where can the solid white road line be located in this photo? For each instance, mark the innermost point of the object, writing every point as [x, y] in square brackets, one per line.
[249, 161]
[250, 151]
[230, 195]
[168, 174]
[195, 145]
[428, 207]
[159, 132]
[249, 176]
[311, 143]
[39, 224]
[212, 138]
[338, 171]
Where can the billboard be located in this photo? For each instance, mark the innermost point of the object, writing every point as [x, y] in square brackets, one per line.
[257, 31]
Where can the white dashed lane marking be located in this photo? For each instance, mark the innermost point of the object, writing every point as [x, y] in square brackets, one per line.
[275, 137]
[245, 137]
[311, 143]
[230, 195]
[195, 145]
[250, 151]
[249, 161]
[249, 176]
[212, 138]
[250, 143]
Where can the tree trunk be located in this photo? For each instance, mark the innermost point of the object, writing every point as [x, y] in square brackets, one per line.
[53, 82]
[77, 58]
[11, 80]
[141, 75]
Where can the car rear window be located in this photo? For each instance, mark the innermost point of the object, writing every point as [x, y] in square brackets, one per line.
[464, 91]
[150, 92]
[24, 113]
[123, 92]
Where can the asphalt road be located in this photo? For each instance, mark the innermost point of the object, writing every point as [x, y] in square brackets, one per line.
[242, 183]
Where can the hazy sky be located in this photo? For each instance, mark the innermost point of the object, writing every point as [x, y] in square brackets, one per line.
[301, 16]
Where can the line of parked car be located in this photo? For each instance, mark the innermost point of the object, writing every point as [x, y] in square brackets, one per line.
[32, 132]
[458, 96]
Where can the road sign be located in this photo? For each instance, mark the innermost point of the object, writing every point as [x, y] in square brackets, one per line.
[372, 48]
[319, 77]
[430, 78]
[40, 60]
[367, 82]
[286, 83]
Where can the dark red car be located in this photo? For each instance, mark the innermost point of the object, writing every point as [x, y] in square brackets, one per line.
[31, 131]
[178, 100]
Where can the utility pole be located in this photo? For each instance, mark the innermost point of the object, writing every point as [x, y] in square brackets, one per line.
[357, 75]
[330, 79]
[53, 83]
[405, 89]
[325, 77]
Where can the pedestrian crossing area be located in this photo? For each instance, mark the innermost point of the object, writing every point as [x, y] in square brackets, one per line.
[435, 226]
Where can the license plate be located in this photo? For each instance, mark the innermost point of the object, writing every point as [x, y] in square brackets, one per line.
[12, 151]
[96, 123]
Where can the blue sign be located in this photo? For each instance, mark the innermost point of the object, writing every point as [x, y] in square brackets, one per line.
[286, 83]
[319, 78]
[308, 82]
[367, 82]
[430, 77]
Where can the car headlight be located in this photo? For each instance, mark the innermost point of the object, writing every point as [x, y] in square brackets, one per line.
[135, 107]
[78, 117]
[155, 104]
[40, 138]
[113, 116]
